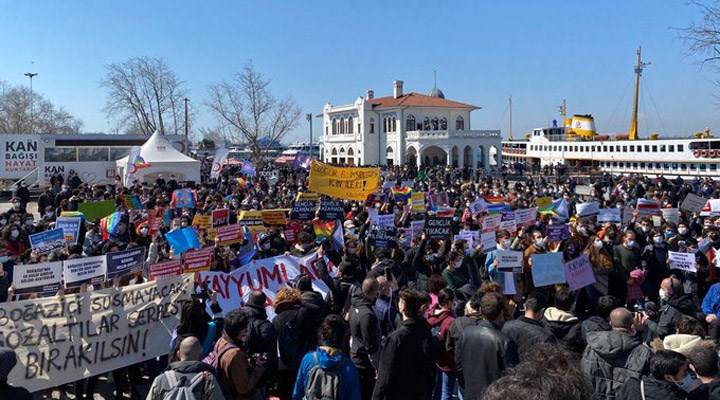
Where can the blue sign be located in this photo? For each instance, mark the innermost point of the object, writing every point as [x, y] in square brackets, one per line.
[70, 227]
[45, 242]
[182, 240]
[125, 262]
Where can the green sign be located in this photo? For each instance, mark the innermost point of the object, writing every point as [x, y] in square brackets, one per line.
[97, 209]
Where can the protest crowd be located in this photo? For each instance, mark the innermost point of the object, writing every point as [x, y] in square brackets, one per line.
[365, 283]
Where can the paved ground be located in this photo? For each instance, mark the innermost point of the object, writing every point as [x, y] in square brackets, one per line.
[31, 207]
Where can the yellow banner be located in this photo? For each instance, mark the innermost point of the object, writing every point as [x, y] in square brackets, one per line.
[417, 199]
[274, 217]
[307, 196]
[202, 221]
[543, 203]
[343, 182]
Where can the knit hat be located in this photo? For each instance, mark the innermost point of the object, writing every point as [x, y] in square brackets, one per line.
[8, 359]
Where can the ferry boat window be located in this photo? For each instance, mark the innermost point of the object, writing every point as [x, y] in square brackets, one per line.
[642, 165]
[117, 153]
[666, 166]
[657, 165]
[614, 163]
[654, 149]
[635, 165]
[565, 148]
[604, 148]
[703, 167]
[576, 149]
[674, 165]
[60, 154]
[713, 167]
[639, 149]
[93, 154]
[624, 150]
[680, 147]
[671, 148]
[662, 148]
[647, 148]
[612, 149]
[592, 148]
[683, 166]
[632, 149]
[693, 167]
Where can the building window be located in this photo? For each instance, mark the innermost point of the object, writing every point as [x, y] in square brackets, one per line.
[459, 123]
[410, 123]
[443, 123]
[435, 123]
[350, 125]
[334, 126]
[394, 124]
[642, 165]
[326, 130]
[635, 165]
[426, 124]
[358, 127]
[683, 166]
[372, 125]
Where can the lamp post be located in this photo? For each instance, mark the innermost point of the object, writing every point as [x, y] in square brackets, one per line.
[31, 75]
[309, 116]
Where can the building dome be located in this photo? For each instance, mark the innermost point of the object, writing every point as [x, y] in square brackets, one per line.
[435, 92]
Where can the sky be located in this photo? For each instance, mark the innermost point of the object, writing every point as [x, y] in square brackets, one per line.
[540, 52]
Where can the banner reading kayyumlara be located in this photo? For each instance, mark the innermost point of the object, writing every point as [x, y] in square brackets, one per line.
[343, 182]
[64, 339]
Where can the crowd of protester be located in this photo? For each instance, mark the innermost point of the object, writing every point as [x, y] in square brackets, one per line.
[424, 320]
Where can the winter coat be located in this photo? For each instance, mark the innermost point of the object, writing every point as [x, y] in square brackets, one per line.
[709, 391]
[294, 329]
[481, 356]
[654, 390]
[13, 392]
[262, 337]
[594, 324]
[456, 330]
[711, 302]
[611, 358]
[365, 332]
[209, 390]
[237, 379]
[440, 321]
[526, 333]
[407, 368]
[676, 305]
[329, 359]
[565, 327]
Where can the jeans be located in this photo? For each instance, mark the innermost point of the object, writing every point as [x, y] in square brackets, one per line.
[445, 385]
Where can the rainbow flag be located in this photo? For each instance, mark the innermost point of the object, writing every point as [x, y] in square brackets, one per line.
[139, 163]
[497, 208]
[323, 229]
[132, 202]
[401, 193]
[109, 224]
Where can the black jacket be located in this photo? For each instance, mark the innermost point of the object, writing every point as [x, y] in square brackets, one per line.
[14, 393]
[594, 324]
[526, 333]
[295, 332]
[407, 367]
[365, 332]
[565, 327]
[682, 304]
[710, 391]
[481, 356]
[457, 327]
[262, 337]
[654, 390]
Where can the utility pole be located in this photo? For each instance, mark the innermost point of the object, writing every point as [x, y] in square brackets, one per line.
[309, 117]
[186, 120]
[31, 75]
[510, 105]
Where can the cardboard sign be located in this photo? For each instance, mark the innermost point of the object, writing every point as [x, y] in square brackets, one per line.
[125, 262]
[198, 260]
[525, 216]
[184, 198]
[682, 261]
[343, 182]
[507, 221]
[693, 203]
[45, 242]
[509, 260]
[95, 210]
[587, 209]
[579, 273]
[417, 201]
[416, 228]
[609, 215]
[383, 236]
[220, 217]
[489, 241]
[274, 217]
[438, 227]
[472, 238]
[303, 210]
[478, 206]
[91, 333]
[250, 218]
[37, 278]
[671, 215]
[70, 227]
[547, 269]
[228, 234]
[165, 270]
[202, 221]
[544, 203]
[331, 210]
[491, 222]
[77, 271]
[627, 214]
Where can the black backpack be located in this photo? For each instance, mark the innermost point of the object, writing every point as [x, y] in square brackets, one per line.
[290, 343]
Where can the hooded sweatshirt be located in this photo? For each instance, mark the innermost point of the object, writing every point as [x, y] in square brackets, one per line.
[440, 321]
[329, 358]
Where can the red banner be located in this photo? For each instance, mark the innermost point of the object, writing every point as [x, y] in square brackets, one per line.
[198, 260]
[228, 234]
[163, 269]
[220, 217]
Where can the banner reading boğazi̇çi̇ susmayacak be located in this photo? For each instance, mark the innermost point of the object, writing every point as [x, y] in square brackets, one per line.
[64, 339]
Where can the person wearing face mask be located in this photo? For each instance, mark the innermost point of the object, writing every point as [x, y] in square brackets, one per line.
[683, 239]
[626, 257]
[537, 246]
[365, 334]
[600, 254]
[643, 232]
[668, 379]
[93, 240]
[654, 256]
[455, 276]
[14, 241]
[673, 303]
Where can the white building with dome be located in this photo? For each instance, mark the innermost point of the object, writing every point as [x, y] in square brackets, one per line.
[408, 128]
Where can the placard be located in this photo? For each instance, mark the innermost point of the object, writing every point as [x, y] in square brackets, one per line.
[95, 210]
[183, 198]
[609, 215]
[489, 241]
[165, 270]
[547, 269]
[438, 227]
[70, 227]
[36, 278]
[556, 233]
[220, 217]
[77, 271]
[682, 261]
[303, 210]
[228, 234]
[416, 228]
[125, 262]
[417, 201]
[73, 337]
[331, 210]
[202, 221]
[525, 216]
[45, 242]
[274, 217]
[478, 206]
[587, 209]
[671, 215]
[198, 260]
[579, 273]
[383, 236]
[491, 222]
[507, 221]
[509, 260]
[693, 203]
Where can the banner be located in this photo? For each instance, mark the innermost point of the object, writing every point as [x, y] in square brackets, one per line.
[70, 227]
[438, 227]
[97, 209]
[671, 215]
[228, 234]
[331, 210]
[609, 215]
[693, 203]
[343, 182]
[507, 221]
[202, 221]
[417, 201]
[125, 262]
[36, 278]
[579, 273]
[303, 210]
[198, 260]
[45, 242]
[509, 260]
[682, 261]
[183, 198]
[525, 216]
[165, 270]
[587, 209]
[218, 162]
[76, 336]
[547, 269]
[269, 275]
[77, 271]
[220, 217]
[274, 217]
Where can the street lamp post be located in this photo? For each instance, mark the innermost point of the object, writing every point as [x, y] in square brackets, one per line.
[31, 75]
[309, 116]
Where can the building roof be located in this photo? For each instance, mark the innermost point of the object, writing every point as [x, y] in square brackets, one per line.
[413, 99]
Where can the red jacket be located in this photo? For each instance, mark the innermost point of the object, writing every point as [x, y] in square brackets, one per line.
[440, 321]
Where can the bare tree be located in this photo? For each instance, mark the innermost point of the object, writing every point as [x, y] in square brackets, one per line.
[703, 37]
[219, 135]
[144, 95]
[15, 116]
[251, 113]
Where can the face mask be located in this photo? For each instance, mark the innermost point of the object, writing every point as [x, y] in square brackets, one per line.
[16, 207]
[685, 383]
[583, 230]
[630, 243]
[351, 250]
[598, 244]
[539, 242]
[266, 246]
[14, 234]
[645, 228]
[28, 222]
[668, 234]
[507, 243]
[658, 239]
[663, 294]
[144, 232]
[682, 230]
[3, 221]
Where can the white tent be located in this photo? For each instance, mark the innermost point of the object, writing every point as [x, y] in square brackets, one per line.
[163, 159]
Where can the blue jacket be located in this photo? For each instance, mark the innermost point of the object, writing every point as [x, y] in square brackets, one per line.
[350, 379]
[711, 302]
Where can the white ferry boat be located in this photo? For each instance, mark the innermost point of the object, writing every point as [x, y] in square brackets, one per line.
[577, 146]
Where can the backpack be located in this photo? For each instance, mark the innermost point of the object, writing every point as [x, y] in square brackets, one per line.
[213, 359]
[290, 343]
[322, 384]
[183, 389]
